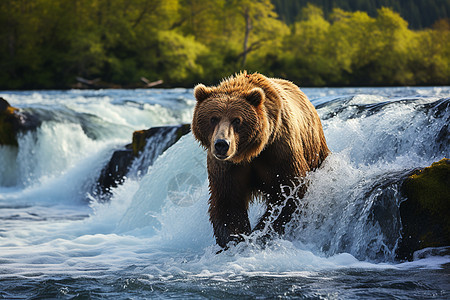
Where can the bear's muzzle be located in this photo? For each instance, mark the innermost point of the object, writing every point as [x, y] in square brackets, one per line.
[221, 147]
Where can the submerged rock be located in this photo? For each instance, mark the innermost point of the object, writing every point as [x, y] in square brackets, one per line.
[136, 157]
[13, 121]
[141, 137]
[397, 215]
[426, 210]
[115, 171]
[8, 123]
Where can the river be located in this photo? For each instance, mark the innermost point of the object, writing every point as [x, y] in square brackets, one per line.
[153, 238]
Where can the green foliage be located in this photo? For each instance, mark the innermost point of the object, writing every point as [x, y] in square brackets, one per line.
[178, 56]
[48, 43]
[418, 13]
[307, 47]
[356, 49]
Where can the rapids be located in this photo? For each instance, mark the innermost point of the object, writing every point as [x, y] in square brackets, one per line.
[153, 238]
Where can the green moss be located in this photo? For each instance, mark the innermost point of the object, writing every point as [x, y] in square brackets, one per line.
[425, 212]
[139, 141]
[430, 187]
[140, 137]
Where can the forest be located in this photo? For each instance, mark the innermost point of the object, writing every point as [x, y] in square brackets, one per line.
[48, 44]
[418, 13]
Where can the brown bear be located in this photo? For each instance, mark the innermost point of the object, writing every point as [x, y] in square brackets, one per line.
[262, 134]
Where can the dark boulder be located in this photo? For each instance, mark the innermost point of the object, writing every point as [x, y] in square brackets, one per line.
[9, 121]
[135, 158]
[411, 209]
[114, 172]
[13, 121]
[170, 133]
[426, 209]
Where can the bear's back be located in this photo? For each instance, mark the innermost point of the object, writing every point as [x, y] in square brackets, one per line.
[301, 122]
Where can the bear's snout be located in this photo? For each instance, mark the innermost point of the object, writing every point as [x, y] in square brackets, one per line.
[221, 146]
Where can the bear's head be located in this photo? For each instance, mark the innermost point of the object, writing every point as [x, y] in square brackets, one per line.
[232, 125]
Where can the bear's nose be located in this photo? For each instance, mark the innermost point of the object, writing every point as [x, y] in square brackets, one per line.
[221, 146]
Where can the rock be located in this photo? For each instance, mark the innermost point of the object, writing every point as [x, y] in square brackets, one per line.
[426, 210]
[146, 146]
[114, 172]
[4, 105]
[141, 137]
[384, 211]
[9, 122]
[13, 121]
[411, 208]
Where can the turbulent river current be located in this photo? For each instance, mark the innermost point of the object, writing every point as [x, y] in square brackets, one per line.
[153, 239]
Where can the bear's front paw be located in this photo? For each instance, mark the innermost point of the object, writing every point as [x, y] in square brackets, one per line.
[222, 234]
[233, 240]
[226, 238]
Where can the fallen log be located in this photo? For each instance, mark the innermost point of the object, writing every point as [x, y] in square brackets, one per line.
[91, 83]
[151, 84]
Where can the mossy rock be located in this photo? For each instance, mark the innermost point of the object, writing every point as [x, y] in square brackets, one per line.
[426, 210]
[139, 141]
[113, 173]
[8, 123]
[141, 137]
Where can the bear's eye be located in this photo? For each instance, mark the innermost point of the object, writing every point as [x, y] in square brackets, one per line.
[236, 121]
[214, 120]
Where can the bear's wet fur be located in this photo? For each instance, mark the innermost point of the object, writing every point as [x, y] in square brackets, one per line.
[260, 134]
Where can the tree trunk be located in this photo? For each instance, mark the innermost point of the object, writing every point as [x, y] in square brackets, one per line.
[248, 28]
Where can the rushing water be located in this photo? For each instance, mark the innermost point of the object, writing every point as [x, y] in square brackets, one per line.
[153, 238]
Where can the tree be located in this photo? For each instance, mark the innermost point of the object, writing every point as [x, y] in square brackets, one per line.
[430, 58]
[48, 43]
[306, 58]
[393, 48]
[352, 39]
[260, 25]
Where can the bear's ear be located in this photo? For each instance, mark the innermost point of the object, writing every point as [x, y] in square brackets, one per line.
[202, 92]
[255, 96]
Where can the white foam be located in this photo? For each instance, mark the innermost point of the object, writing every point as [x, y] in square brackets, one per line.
[185, 161]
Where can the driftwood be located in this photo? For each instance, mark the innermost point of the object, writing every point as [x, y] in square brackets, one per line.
[151, 84]
[92, 83]
[99, 84]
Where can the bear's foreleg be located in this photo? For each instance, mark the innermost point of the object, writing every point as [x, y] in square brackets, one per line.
[280, 210]
[230, 227]
[229, 200]
[273, 221]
